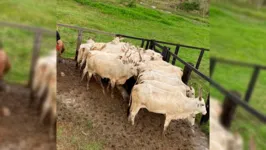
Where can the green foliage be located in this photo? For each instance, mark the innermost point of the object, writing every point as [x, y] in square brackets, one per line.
[189, 6]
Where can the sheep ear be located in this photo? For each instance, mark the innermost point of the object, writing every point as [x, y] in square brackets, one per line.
[190, 87]
[200, 94]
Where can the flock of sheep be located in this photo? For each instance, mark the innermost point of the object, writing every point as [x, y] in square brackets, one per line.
[158, 86]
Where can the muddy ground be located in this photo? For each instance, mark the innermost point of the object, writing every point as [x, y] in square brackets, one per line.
[91, 120]
[21, 130]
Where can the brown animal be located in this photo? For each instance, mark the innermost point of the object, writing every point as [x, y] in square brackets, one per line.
[4, 63]
[4, 66]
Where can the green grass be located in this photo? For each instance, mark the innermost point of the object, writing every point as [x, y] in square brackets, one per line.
[18, 43]
[239, 34]
[140, 22]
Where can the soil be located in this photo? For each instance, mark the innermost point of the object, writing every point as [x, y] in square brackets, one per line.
[107, 119]
[21, 130]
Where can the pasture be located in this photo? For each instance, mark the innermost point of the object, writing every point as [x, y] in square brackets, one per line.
[239, 34]
[85, 115]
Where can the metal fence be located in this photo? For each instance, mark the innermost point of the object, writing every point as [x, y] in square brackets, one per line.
[235, 98]
[38, 34]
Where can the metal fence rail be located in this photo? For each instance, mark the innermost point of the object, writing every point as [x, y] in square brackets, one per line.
[256, 69]
[145, 43]
[38, 34]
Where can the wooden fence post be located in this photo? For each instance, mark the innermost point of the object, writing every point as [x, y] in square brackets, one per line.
[79, 40]
[186, 73]
[35, 55]
[228, 110]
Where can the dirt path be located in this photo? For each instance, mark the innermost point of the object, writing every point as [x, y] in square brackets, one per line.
[91, 120]
[22, 130]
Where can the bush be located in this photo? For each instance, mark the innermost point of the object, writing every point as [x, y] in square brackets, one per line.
[187, 6]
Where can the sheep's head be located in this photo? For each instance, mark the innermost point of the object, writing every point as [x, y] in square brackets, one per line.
[90, 40]
[190, 92]
[201, 103]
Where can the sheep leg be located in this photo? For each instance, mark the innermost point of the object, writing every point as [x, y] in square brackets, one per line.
[133, 112]
[108, 86]
[123, 92]
[191, 119]
[166, 124]
[45, 109]
[97, 78]
[102, 87]
[83, 74]
[112, 88]
[88, 80]
[52, 125]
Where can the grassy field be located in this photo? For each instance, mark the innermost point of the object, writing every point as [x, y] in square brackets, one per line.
[140, 21]
[239, 34]
[18, 43]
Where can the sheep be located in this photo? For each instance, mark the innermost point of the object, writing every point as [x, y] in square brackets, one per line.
[167, 69]
[187, 90]
[171, 80]
[44, 84]
[173, 106]
[4, 66]
[116, 71]
[220, 137]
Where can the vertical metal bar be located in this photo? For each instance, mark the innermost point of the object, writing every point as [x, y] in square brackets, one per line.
[147, 44]
[176, 53]
[199, 59]
[206, 117]
[168, 54]
[151, 46]
[252, 83]
[228, 110]
[79, 40]
[212, 66]
[142, 43]
[186, 73]
[164, 53]
[35, 54]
